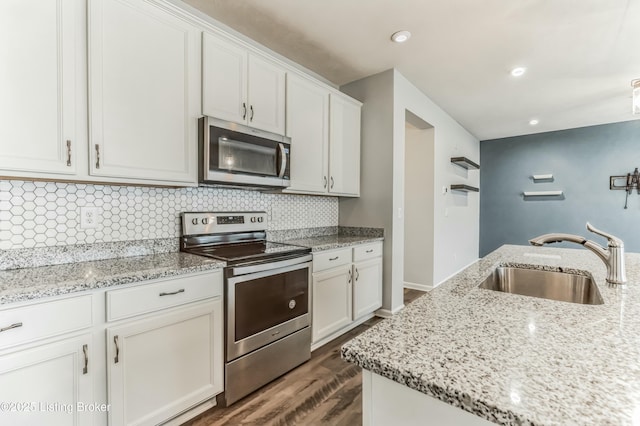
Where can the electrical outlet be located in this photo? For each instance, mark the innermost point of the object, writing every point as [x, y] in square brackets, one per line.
[88, 217]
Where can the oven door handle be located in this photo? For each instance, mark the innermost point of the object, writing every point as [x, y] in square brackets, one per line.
[283, 160]
[243, 270]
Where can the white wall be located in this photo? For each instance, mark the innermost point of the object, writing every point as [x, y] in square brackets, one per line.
[387, 97]
[374, 207]
[456, 215]
[418, 207]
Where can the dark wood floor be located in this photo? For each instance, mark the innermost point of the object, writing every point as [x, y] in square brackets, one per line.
[324, 391]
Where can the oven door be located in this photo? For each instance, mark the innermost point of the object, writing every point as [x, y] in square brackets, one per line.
[241, 155]
[265, 306]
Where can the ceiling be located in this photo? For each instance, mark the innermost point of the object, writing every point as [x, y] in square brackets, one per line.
[580, 55]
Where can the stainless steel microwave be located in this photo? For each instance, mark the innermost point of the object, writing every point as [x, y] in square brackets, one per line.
[239, 156]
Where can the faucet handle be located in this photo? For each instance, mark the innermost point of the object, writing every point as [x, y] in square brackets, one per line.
[613, 240]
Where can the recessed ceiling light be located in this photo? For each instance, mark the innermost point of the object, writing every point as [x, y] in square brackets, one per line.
[534, 122]
[400, 36]
[518, 71]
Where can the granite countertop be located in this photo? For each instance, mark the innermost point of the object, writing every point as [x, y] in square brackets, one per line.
[19, 285]
[515, 359]
[328, 242]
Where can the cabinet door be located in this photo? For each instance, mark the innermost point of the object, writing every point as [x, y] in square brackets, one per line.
[331, 301]
[48, 385]
[164, 364]
[308, 128]
[266, 88]
[224, 79]
[344, 146]
[367, 287]
[37, 78]
[144, 92]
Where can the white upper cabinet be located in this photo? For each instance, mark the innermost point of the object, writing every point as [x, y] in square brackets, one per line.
[344, 146]
[37, 86]
[324, 127]
[241, 87]
[308, 128]
[224, 82]
[144, 91]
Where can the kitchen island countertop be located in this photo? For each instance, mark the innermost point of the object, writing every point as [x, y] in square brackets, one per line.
[515, 359]
[20, 285]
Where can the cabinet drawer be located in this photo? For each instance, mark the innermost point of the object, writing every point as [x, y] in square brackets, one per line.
[42, 320]
[147, 298]
[331, 259]
[367, 251]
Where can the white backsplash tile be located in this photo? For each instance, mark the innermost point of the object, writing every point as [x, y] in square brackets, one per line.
[42, 214]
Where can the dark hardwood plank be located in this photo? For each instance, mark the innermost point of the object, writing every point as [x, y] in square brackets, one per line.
[323, 391]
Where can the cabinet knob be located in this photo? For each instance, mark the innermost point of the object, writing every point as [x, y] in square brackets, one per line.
[325, 181]
[332, 182]
[244, 110]
[251, 116]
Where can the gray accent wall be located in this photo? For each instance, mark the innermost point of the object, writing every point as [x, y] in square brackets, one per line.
[581, 161]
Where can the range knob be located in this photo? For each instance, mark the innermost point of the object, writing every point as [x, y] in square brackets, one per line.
[205, 221]
[261, 219]
[253, 219]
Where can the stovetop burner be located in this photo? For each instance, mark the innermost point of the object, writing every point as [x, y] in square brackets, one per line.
[236, 237]
[250, 251]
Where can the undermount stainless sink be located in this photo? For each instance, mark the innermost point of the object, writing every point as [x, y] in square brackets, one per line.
[544, 284]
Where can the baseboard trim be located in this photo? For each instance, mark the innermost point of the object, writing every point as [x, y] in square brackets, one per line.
[386, 313]
[416, 286]
[456, 273]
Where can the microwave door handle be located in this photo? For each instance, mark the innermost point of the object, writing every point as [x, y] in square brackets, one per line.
[283, 160]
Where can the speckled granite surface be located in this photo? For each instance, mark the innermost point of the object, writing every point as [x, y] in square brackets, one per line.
[57, 255]
[346, 236]
[19, 285]
[515, 359]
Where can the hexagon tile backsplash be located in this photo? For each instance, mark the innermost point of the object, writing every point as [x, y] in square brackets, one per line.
[41, 214]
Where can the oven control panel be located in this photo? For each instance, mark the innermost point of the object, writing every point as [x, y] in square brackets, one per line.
[201, 223]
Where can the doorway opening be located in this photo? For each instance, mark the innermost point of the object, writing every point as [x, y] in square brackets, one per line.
[418, 203]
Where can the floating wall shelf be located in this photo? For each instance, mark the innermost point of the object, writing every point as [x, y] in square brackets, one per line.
[543, 177]
[465, 163]
[542, 193]
[464, 188]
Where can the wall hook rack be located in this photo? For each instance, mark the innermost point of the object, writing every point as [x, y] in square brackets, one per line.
[631, 182]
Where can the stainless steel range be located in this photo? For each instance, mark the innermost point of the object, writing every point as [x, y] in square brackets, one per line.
[267, 318]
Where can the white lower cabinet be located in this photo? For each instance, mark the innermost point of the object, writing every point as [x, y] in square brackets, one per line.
[164, 364]
[331, 301]
[367, 287]
[50, 384]
[347, 289]
[47, 363]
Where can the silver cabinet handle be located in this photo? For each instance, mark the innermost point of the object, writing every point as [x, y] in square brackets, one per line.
[332, 182]
[325, 181]
[369, 251]
[251, 109]
[68, 153]
[85, 350]
[357, 274]
[331, 259]
[350, 276]
[97, 156]
[117, 357]
[244, 110]
[172, 293]
[16, 325]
